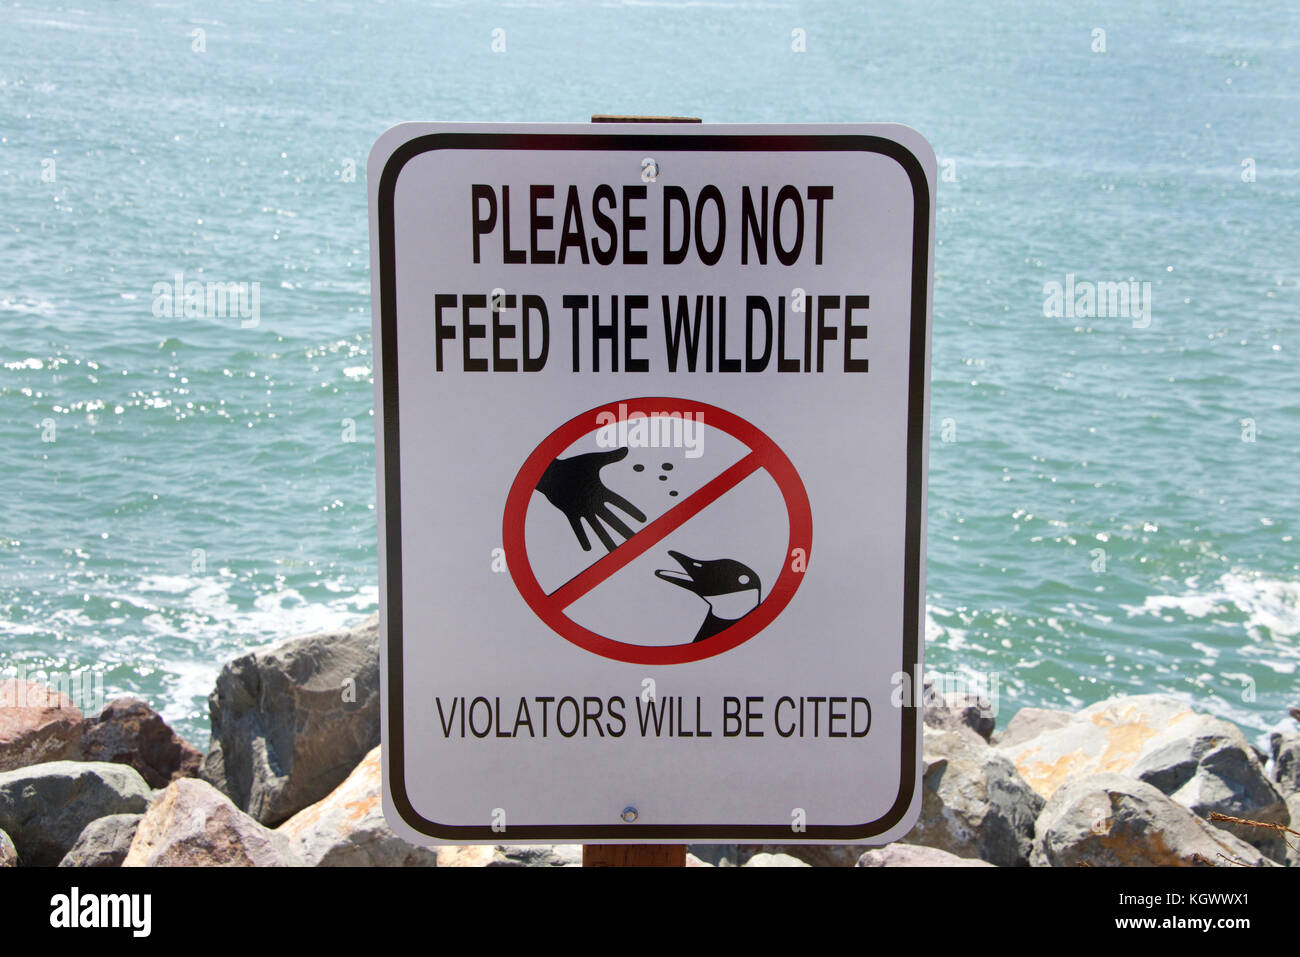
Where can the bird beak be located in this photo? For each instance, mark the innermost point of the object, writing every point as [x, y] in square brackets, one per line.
[685, 580]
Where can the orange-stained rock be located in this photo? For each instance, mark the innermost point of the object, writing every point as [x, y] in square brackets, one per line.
[346, 828]
[36, 725]
[192, 824]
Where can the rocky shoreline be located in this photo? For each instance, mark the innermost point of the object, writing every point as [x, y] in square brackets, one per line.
[293, 778]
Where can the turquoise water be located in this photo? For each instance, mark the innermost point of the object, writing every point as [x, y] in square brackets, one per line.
[198, 496]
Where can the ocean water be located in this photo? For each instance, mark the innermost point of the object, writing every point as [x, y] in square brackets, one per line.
[1098, 523]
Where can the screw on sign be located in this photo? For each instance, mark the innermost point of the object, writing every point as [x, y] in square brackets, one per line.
[729, 597]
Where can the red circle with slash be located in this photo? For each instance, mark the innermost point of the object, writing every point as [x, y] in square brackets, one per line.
[551, 608]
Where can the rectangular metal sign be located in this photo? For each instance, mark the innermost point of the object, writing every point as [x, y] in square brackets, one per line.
[651, 430]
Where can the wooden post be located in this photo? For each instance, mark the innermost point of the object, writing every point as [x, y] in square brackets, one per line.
[634, 855]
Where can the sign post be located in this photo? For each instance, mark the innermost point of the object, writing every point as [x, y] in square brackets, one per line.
[651, 431]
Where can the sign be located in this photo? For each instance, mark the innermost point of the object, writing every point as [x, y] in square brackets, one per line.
[651, 433]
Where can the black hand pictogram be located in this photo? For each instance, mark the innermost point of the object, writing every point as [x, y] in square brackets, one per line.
[573, 486]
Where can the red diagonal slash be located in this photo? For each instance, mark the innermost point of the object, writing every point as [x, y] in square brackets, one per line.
[654, 533]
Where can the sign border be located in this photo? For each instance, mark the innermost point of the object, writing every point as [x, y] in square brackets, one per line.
[394, 743]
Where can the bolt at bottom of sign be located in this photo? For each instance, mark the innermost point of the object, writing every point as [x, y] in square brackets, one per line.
[629, 814]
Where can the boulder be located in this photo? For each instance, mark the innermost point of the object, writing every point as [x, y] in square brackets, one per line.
[693, 861]
[465, 855]
[1286, 762]
[973, 802]
[536, 855]
[1207, 766]
[764, 859]
[716, 855]
[8, 853]
[36, 725]
[1109, 820]
[510, 855]
[104, 842]
[1106, 736]
[347, 828]
[1030, 723]
[915, 855]
[128, 731]
[290, 721]
[815, 855]
[953, 710]
[192, 824]
[1293, 839]
[45, 807]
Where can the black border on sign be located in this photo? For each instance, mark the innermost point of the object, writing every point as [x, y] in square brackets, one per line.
[392, 474]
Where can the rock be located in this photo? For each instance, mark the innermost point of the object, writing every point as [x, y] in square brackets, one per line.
[1207, 766]
[764, 859]
[36, 725]
[192, 824]
[347, 828]
[128, 731]
[536, 855]
[973, 802]
[8, 853]
[915, 855]
[1106, 736]
[1286, 762]
[1108, 820]
[1293, 840]
[104, 842]
[1030, 723]
[716, 855]
[45, 807]
[954, 710]
[693, 861]
[510, 855]
[290, 721]
[465, 855]
[815, 855]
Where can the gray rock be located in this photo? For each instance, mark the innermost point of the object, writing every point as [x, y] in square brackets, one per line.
[104, 842]
[915, 855]
[37, 725]
[128, 731]
[1029, 723]
[815, 855]
[974, 803]
[8, 853]
[536, 855]
[717, 855]
[347, 828]
[764, 859]
[1108, 820]
[1206, 765]
[1293, 840]
[45, 807]
[290, 721]
[1286, 762]
[953, 710]
[194, 825]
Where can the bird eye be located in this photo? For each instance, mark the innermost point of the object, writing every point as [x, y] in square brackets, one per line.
[744, 579]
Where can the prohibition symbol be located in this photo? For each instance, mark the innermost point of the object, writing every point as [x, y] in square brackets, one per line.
[734, 601]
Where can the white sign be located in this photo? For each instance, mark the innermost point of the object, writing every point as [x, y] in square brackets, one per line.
[651, 434]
